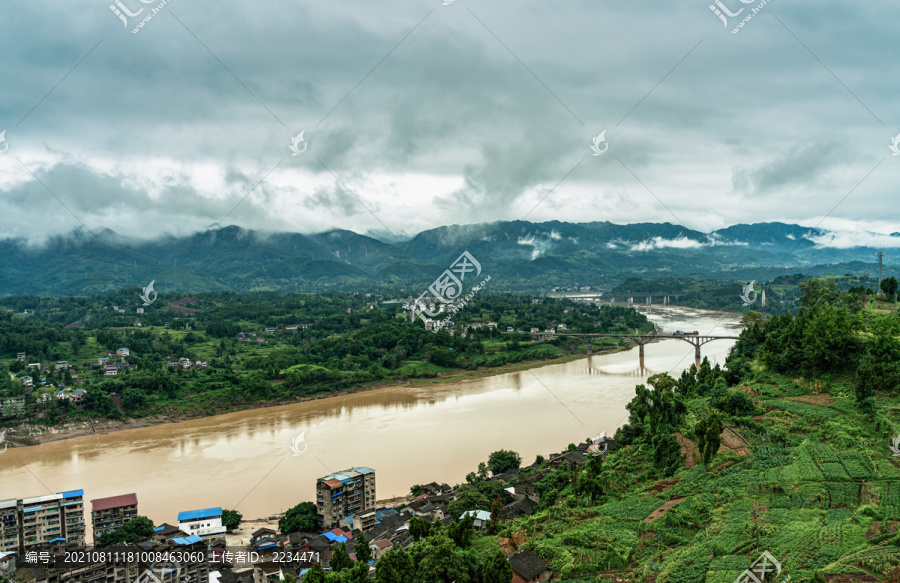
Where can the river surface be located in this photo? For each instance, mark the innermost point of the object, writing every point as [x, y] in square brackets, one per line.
[409, 435]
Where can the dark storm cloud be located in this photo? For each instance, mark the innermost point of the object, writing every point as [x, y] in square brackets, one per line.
[493, 103]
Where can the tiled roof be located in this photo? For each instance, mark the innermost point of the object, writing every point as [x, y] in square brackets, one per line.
[527, 564]
[114, 502]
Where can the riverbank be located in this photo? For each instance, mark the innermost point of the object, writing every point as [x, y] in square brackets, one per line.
[29, 434]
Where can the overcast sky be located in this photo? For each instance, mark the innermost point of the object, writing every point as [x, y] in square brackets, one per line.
[417, 115]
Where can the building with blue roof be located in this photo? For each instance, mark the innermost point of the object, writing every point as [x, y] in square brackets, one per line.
[203, 522]
[345, 493]
[51, 518]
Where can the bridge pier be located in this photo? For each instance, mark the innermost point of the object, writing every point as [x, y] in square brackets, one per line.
[697, 354]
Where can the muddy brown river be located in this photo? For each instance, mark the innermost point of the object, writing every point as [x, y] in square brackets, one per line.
[408, 435]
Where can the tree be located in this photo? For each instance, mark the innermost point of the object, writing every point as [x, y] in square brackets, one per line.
[341, 559]
[300, 517]
[709, 436]
[590, 481]
[503, 461]
[136, 529]
[468, 499]
[363, 552]
[418, 527]
[395, 566]
[439, 560]
[416, 490]
[133, 399]
[316, 574]
[462, 531]
[359, 573]
[889, 287]
[496, 569]
[231, 519]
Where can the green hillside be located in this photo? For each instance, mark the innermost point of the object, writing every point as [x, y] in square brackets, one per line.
[796, 435]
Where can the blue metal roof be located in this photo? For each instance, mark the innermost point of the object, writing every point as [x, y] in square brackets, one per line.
[58, 539]
[364, 470]
[198, 514]
[72, 493]
[187, 540]
[158, 528]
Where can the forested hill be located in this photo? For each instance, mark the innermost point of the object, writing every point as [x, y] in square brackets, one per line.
[787, 450]
[521, 256]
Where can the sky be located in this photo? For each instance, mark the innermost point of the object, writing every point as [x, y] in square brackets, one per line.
[418, 114]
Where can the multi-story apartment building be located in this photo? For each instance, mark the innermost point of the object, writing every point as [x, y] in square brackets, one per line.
[344, 493]
[34, 522]
[9, 525]
[109, 514]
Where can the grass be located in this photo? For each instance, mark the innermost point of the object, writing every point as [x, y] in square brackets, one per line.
[813, 501]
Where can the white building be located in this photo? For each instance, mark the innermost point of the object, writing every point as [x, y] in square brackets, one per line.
[482, 517]
[122, 352]
[204, 522]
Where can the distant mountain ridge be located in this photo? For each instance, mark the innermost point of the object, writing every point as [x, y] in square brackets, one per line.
[529, 256]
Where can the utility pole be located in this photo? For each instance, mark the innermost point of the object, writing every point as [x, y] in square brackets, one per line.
[880, 257]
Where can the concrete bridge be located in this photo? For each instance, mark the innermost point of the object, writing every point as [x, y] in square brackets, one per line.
[640, 339]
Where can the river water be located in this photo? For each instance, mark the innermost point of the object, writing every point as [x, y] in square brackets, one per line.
[408, 435]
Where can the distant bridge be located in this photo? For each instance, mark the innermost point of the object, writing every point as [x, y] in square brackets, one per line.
[640, 340]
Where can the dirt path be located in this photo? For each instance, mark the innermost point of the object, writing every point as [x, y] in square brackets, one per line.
[733, 441]
[663, 509]
[688, 450]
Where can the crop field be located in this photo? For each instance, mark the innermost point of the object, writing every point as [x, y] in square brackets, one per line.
[809, 501]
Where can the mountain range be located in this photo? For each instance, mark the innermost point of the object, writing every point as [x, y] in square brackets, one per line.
[518, 255]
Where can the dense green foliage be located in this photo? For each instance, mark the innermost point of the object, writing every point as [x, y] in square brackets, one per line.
[791, 442]
[136, 529]
[300, 518]
[231, 519]
[291, 346]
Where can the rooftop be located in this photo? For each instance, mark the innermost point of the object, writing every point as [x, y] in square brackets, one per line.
[200, 514]
[114, 502]
[527, 564]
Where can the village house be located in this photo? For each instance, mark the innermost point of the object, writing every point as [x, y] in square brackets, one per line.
[482, 517]
[20, 357]
[241, 337]
[122, 352]
[528, 567]
[61, 364]
[264, 539]
[380, 547]
[110, 371]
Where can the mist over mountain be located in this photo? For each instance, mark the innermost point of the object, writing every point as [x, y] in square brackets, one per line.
[519, 255]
